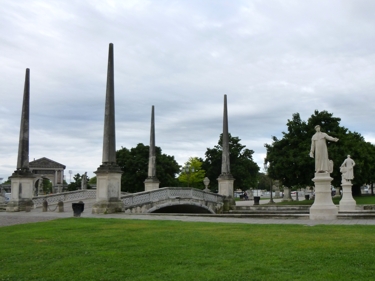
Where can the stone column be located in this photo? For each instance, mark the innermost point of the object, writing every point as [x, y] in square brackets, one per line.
[323, 207]
[152, 181]
[108, 189]
[22, 179]
[225, 179]
[347, 202]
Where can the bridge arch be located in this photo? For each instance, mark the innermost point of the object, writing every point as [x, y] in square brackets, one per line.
[182, 206]
[173, 200]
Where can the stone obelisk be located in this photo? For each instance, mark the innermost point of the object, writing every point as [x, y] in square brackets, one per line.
[108, 175]
[225, 179]
[22, 180]
[152, 181]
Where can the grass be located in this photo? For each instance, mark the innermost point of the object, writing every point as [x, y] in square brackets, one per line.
[112, 249]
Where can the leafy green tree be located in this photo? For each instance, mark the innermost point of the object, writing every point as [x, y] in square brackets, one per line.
[92, 180]
[289, 156]
[134, 164]
[264, 182]
[76, 184]
[192, 173]
[242, 167]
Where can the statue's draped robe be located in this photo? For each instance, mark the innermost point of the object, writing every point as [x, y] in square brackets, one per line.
[349, 171]
[319, 146]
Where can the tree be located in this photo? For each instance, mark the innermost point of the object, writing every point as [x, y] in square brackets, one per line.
[76, 184]
[92, 180]
[192, 173]
[289, 157]
[134, 164]
[243, 168]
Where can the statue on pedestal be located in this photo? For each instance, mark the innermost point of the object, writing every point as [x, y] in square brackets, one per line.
[319, 148]
[347, 169]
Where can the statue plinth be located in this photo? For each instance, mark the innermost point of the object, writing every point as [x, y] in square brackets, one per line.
[151, 183]
[226, 185]
[347, 202]
[22, 183]
[323, 207]
[108, 190]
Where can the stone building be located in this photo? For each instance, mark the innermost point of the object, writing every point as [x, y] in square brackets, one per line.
[49, 169]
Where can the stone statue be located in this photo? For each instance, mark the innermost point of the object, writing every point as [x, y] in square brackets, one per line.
[347, 169]
[40, 186]
[84, 181]
[319, 148]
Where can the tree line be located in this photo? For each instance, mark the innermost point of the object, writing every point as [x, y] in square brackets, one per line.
[289, 160]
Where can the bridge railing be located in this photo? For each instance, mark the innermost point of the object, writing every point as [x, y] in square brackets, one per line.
[65, 196]
[170, 193]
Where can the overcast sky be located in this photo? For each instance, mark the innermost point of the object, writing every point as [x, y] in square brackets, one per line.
[271, 59]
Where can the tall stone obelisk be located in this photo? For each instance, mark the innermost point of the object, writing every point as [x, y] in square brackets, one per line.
[152, 181]
[22, 180]
[108, 189]
[225, 179]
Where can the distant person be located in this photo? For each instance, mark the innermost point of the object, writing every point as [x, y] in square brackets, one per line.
[319, 151]
[245, 197]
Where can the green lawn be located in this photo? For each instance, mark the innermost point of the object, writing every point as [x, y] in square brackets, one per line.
[113, 249]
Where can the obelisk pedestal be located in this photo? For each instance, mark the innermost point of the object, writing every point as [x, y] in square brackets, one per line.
[108, 190]
[225, 185]
[323, 207]
[22, 192]
[347, 202]
[151, 184]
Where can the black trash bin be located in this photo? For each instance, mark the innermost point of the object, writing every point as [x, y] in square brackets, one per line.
[78, 208]
[307, 197]
[256, 200]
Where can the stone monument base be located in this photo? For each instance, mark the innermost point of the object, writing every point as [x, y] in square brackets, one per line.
[151, 184]
[226, 189]
[108, 207]
[22, 184]
[347, 202]
[287, 195]
[226, 186]
[323, 207]
[20, 205]
[108, 190]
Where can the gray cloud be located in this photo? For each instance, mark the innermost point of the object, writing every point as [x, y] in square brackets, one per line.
[271, 58]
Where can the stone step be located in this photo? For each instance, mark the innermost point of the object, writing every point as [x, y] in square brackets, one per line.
[273, 208]
[302, 211]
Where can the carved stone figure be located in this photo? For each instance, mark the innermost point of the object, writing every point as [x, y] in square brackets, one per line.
[319, 151]
[84, 181]
[347, 169]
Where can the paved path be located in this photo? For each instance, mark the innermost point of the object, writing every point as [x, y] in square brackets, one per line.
[36, 215]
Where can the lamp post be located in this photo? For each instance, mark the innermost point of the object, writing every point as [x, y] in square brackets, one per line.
[271, 197]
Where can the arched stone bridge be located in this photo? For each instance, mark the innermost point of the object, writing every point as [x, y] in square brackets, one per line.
[174, 200]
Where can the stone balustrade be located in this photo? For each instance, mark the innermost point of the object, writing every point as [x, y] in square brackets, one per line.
[165, 193]
[65, 197]
[153, 200]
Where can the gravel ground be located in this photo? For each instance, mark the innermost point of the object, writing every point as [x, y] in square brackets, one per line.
[21, 219]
